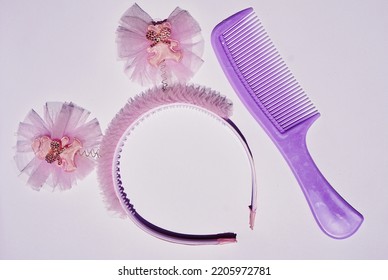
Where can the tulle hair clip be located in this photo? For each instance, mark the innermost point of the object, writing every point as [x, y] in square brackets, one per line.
[58, 149]
[159, 51]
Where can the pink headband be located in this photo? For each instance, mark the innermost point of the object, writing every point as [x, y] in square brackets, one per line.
[148, 103]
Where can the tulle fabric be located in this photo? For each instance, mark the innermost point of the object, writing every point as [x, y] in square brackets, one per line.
[132, 47]
[59, 120]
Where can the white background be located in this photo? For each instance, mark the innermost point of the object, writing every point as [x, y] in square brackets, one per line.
[66, 51]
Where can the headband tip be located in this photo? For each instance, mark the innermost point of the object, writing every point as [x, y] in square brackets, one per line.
[252, 216]
[222, 241]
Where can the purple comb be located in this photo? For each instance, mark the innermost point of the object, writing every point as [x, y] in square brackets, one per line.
[278, 103]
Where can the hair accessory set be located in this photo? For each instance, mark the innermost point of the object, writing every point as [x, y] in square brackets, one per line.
[63, 147]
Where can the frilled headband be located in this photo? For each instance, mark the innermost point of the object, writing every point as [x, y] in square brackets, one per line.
[117, 194]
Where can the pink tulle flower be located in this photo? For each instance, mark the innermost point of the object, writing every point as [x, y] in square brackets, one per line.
[59, 148]
[157, 52]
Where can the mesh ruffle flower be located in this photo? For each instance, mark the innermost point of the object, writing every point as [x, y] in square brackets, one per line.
[59, 148]
[155, 52]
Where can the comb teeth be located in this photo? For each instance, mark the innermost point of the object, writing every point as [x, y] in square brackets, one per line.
[265, 75]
